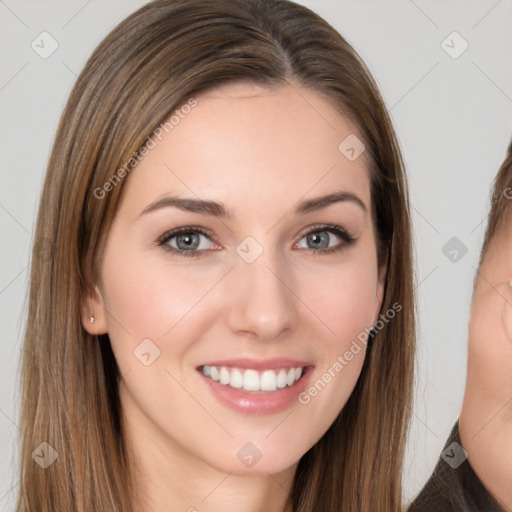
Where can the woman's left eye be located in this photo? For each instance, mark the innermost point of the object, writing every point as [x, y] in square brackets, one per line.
[187, 241]
[320, 236]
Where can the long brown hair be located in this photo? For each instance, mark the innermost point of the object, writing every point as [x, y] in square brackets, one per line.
[155, 60]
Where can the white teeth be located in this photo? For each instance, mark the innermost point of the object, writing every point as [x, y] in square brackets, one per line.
[252, 380]
[281, 379]
[236, 380]
[290, 379]
[268, 380]
[224, 376]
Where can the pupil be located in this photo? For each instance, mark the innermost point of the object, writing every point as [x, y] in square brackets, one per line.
[316, 238]
[187, 239]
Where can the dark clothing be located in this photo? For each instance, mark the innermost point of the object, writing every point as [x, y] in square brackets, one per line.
[454, 486]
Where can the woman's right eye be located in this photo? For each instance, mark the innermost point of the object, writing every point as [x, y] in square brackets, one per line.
[185, 241]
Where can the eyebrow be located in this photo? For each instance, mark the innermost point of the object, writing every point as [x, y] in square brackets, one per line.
[216, 209]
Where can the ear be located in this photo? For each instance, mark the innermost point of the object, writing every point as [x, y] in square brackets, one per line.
[93, 310]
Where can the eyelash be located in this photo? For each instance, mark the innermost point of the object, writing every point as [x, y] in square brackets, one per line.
[346, 237]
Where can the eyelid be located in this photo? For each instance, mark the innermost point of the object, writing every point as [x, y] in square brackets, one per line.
[171, 233]
[324, 227]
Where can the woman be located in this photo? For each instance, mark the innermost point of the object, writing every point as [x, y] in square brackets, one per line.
[474, 471]
[229, 220]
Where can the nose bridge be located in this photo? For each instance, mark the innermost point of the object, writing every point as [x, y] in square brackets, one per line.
[262, 302]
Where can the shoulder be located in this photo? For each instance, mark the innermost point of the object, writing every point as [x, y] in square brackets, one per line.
[454, 486]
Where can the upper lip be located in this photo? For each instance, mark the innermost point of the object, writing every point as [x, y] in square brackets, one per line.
[259, 364]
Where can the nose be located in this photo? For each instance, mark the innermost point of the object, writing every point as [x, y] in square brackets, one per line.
[263, 305]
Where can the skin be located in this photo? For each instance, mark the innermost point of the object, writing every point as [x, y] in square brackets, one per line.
[486, 418]
[259, 151]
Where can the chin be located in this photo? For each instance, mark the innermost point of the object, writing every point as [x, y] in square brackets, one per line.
[254, 458]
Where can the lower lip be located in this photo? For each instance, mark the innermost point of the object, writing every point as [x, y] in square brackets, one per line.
[263, 403]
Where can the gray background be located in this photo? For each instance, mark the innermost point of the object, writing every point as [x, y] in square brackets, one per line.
[453, 117]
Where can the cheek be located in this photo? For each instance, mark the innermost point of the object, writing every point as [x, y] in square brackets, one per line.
[149, 300]
[345, 300]
[506, 315]
[490, 346]
[344, 297]
[345, 304]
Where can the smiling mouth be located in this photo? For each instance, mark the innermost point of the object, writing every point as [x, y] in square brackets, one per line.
[254, 381]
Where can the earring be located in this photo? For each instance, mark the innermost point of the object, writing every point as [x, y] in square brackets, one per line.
[91, 318]
[510, 284]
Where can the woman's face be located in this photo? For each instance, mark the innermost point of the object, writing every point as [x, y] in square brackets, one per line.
[486, 416]
[212, 326]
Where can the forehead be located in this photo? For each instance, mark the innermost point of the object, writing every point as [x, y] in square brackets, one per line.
[246, 145]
